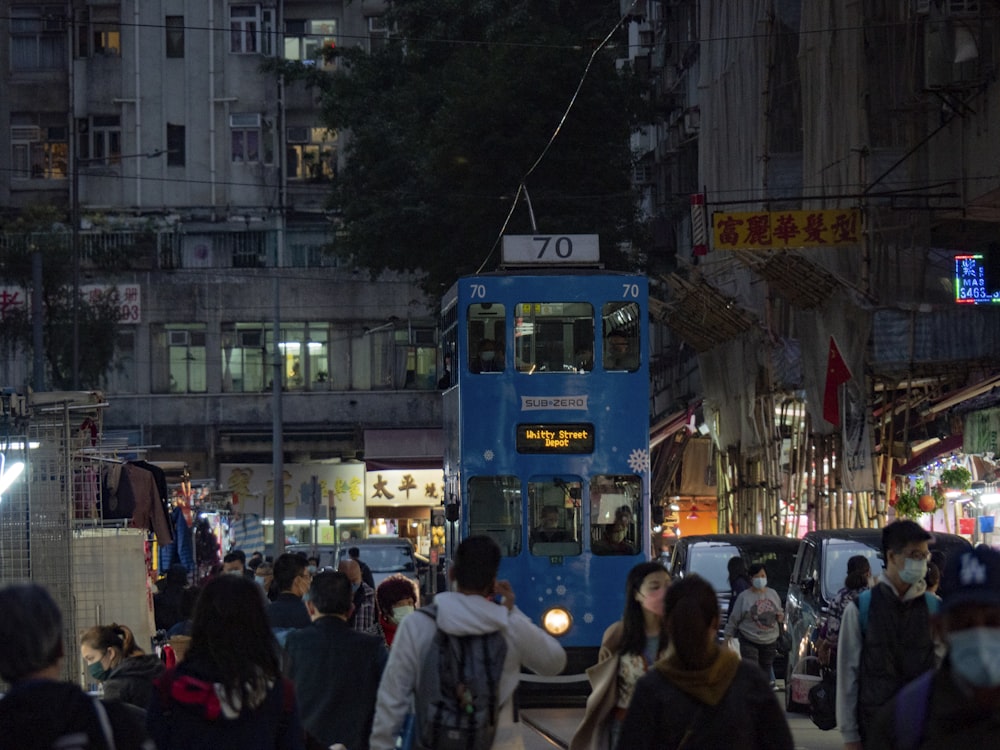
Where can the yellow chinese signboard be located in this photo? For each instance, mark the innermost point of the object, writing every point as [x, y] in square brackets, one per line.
[780, 230]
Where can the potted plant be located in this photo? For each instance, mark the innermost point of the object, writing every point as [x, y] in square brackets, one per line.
[914, 499]
[956, 478]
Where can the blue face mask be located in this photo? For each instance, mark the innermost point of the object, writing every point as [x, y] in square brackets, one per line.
[974, 654]
[311, 569]
[259, 581]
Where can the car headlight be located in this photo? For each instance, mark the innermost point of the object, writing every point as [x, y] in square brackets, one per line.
[556, 621]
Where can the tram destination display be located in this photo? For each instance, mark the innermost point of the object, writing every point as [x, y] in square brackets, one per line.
[555, 438]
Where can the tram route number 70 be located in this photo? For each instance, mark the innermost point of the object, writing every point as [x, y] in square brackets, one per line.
[550, 249]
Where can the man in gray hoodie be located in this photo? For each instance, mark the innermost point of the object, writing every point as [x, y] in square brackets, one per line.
[471, 610]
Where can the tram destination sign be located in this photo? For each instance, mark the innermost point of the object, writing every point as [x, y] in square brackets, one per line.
[550, 249]
[555, 438]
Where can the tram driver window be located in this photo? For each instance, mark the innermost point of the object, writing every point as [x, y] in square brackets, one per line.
[615, 517]
[621, 336]
[487, 328]
[556, 520]
[495, 510]
[554, 337]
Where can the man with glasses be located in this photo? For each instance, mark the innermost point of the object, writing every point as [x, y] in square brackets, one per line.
[885, 637]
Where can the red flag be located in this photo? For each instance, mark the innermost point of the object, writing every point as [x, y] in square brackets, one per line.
[837, 373]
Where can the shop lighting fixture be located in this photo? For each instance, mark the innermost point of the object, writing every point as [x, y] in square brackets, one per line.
[17, 445]
[674, 507]
[989, 498]
[693, 515]
[8, 474]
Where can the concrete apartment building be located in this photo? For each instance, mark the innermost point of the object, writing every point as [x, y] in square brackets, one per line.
[200, 184]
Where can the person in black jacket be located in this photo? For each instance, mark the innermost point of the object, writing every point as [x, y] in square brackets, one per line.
[699, 695]
[40, 711]
[113, 658]
[292, 581]
[336, 669]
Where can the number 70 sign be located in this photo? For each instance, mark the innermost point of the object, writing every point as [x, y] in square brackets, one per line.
[550, 249]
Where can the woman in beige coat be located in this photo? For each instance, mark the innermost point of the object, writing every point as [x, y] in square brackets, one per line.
[628, 649]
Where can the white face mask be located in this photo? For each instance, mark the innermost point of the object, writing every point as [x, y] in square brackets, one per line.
[398, 613]
[913, 571]
[759, 583]
[487, 356]
[974, 654]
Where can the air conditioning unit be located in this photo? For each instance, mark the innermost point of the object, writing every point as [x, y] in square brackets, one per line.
[26, 133]
[297, 135]
[251, 339]
[177, 338]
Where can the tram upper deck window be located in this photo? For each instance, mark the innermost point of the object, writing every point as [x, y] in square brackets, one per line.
[621, 336]
[554, 337]
[556, 520]
[495, 510]
[615, 505]
[486, 324]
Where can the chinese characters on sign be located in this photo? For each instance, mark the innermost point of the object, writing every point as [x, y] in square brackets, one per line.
[402, 487]
[127, 297]
[971, 285]
[779, 230]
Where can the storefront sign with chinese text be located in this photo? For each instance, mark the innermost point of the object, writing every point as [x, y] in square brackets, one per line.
[780, 230]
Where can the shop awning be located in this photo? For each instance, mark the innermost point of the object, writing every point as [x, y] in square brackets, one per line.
[950, 444]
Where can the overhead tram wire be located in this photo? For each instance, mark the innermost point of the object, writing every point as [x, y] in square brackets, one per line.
[522, 187]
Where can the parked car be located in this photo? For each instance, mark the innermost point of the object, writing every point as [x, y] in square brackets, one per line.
[820, 569]
[327, 553]
[386, 555]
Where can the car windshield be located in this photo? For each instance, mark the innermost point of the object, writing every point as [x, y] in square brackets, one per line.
[711, 562]
[386, 558]
[838, 552]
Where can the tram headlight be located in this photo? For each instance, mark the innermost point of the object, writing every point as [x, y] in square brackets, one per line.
[556, 621]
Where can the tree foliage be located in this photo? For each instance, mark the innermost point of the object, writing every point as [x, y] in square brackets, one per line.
[97, 316]
[446, 119]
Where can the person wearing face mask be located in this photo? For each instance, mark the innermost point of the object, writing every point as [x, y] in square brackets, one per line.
[756, 620]
[113, 659]
[628, 649]
[891, 643]
[395, 598]
[336, 670]
[958, 704]
[489, 357]
[363, 619]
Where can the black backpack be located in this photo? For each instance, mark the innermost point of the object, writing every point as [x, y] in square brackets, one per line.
[457, 700]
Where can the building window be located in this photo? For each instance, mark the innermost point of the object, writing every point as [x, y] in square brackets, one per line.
[244, 29]
[179, 358]
[304, 356]
[175, 145]
[38, 153]
[37, 37]
[378, 33]
[245, 137]
[99, 33]
[245, 364]
[311, 154]
[101, 140]
[306, 41]
[175, 36]
[120, 377]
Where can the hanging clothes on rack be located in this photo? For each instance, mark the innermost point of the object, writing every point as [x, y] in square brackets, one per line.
[181, 551]
[248, 533]
[137, 489]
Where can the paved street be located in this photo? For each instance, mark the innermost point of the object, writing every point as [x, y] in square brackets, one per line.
[560, 723]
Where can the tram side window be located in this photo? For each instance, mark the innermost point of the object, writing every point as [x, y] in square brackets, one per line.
[495, 510]
[615, 517]
[621, 335]
[486, 324]
[554, 337]
[556, 520]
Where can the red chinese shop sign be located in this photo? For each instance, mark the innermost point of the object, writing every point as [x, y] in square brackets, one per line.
[780, 230]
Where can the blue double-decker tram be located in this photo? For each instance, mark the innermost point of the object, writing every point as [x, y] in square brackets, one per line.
[547, 432]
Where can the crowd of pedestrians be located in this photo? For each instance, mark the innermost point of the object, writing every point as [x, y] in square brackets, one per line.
[306, 666]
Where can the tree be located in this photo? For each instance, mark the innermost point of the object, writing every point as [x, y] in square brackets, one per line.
[40, 229]
[447, 118]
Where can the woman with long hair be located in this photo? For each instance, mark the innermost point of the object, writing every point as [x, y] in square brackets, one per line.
[701, 695]
[114, 660]
[628, 649]
[228, 691]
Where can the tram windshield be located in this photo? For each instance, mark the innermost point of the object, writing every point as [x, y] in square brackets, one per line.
[554, 337]
[487, 323]
[556, 518]
[621, 335]
[495, 510]
[615, 505]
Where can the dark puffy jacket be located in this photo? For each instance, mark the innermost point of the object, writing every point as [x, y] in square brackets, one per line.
[897, 648]
[132, 680]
